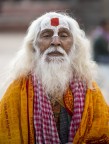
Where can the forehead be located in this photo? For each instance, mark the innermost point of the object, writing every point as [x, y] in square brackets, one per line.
[61, 29]
[54, 23]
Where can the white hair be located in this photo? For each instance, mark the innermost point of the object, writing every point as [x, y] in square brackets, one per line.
[26, 60]
[56, 74]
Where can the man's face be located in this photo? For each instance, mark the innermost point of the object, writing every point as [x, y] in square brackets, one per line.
[54, 44]
[55, 38]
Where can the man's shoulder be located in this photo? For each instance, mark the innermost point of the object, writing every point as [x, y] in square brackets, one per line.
[18, 83]
[97, 95]
[15, 88]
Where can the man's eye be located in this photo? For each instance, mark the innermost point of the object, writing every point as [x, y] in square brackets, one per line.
[64, 35]
[46, 36]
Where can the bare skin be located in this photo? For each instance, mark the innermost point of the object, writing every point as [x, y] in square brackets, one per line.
[64, 39]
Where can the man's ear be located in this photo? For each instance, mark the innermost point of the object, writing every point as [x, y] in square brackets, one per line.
[31, 47]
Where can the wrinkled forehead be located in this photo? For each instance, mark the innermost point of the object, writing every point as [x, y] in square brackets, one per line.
[54, 23]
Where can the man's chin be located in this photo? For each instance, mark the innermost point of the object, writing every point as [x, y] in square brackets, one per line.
[54, 59]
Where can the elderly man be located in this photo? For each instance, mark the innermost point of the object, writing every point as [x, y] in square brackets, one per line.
[52, 97]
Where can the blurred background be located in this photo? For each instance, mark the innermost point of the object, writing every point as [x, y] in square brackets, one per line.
[92, 16]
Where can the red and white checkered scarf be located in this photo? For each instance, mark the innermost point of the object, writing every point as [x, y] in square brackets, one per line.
[44, 122]
[79, 90]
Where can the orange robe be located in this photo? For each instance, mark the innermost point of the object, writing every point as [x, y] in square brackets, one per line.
[16, 116]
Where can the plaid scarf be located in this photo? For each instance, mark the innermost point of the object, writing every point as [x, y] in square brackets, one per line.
[79, 90]
[44, 122]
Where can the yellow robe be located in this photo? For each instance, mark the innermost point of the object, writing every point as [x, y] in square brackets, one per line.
[16, 116]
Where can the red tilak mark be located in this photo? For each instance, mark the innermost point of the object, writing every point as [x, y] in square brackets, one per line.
[54, 21]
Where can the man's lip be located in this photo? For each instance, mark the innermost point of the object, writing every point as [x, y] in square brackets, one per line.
[55, 53]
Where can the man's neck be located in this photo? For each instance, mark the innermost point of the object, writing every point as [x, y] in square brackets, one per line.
[56, 98]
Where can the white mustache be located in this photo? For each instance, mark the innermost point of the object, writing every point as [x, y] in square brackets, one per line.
[53, 49]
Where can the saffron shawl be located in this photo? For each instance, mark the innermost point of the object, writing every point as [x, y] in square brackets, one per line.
[16, 113]
[16, 116]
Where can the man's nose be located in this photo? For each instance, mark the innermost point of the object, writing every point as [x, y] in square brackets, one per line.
[56, 41]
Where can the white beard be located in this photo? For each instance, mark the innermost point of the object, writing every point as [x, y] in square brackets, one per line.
[56, 74]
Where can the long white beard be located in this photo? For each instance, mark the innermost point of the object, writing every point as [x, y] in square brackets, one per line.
[56, 74]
